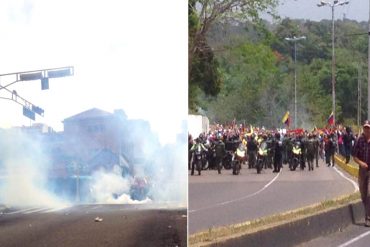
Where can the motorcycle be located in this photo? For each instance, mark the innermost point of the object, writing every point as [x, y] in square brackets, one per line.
[251, 159]
[238, 159]
[198, 159]
[296, 160]
[261, 156]
[227, 161]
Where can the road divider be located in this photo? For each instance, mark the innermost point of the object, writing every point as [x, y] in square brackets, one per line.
[289, 228]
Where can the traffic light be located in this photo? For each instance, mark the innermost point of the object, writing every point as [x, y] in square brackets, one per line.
[30, 76]
[38, 110]
[59, 73]
[44, 83]
[28, 113]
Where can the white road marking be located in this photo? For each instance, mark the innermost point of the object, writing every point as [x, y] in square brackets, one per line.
[21, 211]
[354, 239]
[36, 210]
[238, 199]
[55, 209]
[350, 180]
[99, 206]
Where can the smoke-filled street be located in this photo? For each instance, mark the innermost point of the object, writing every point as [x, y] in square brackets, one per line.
[218, 200]
[93, 225]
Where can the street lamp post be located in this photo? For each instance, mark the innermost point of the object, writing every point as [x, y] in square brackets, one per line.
[332, 5]
[30, 109]
[294, 40]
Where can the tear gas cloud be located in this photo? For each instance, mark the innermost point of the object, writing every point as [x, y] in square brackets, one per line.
[23, 179]
[28, 176]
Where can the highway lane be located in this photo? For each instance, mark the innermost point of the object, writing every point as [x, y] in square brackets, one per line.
[356, 235]
[121, 225]
[219, 200]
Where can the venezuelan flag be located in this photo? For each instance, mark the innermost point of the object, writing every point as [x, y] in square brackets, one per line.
[286, 119]
[331, 119]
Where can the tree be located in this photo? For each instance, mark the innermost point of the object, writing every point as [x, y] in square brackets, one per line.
[203, 67]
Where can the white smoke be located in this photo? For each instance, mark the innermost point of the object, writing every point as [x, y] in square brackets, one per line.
[111, 187]
[24, 172]
[27, 174]
[164, 167]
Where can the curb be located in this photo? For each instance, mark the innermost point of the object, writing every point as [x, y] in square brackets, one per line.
[350, 168]
[301, 230]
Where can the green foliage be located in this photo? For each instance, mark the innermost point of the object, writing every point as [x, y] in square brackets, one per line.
[253, 67]
[204, 72]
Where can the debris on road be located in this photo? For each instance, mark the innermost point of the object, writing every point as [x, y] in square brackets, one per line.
[97, 219]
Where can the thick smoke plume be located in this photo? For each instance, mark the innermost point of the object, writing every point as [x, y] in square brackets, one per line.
[24, 168]
[27, 174]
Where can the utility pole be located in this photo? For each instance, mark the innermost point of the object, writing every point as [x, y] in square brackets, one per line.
[295, 39]
[332, 6]
[359, 73]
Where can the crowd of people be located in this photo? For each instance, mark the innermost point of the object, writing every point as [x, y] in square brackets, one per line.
[269, 148]
[262, 148]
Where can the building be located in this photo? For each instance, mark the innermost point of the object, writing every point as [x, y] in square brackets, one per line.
[95, 137]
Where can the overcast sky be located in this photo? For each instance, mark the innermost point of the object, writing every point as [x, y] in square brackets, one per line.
[307, 9]
[130, 55]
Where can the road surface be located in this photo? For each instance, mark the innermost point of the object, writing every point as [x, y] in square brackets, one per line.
[121, 225]
[219, 200]
[356, 235]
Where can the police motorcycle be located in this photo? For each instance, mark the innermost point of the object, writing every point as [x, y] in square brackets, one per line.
[239, 158]
[270, 153]
[211, 157]
[198, 159]
[230, 147]
[206, 155]
[228, 159]
[261, 156]
[252, 154]
[297, 155]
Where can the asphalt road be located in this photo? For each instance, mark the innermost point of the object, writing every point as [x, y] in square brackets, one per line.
[122, 225]
[353, 236]
[219, 200]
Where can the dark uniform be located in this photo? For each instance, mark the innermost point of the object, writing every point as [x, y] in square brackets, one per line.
[347, 142]
[310, 152]
[220, 153]
[289, 149]
[278, 153]
[316, 141]
[328, 147]
[303, 155]
[252, 152]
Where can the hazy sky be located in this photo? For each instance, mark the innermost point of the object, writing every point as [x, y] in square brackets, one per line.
[307, 9]
[130, 55]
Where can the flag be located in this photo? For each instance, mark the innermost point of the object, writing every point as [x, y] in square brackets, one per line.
[331, 119]
[286, 119]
